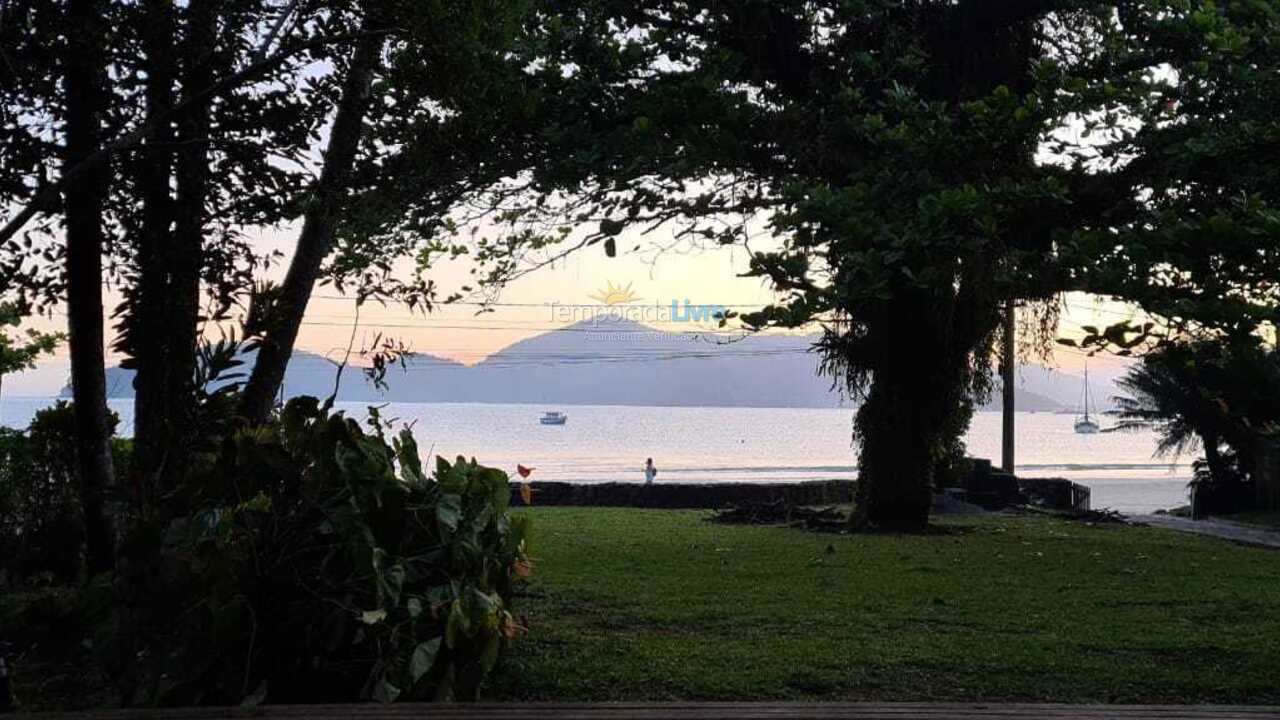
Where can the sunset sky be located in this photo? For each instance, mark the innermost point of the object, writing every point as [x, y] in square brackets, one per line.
[526, 307]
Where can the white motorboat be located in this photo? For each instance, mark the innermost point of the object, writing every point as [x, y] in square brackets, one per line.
[553, 418]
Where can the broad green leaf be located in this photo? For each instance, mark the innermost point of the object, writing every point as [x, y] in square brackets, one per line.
[424, 656]
[385, 692]
[449, 510]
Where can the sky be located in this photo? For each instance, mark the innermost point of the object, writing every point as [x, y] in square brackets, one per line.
[709, 277]
[527, 307]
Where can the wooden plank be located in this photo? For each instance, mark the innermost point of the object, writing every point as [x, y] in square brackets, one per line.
[704, 711]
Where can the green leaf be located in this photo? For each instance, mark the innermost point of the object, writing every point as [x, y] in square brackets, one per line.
[385, 692]
[499, 484]
[457, 626]
[424, 656]
[410, 461]
[449, 510]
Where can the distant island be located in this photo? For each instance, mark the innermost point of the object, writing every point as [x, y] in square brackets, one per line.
[619, 362]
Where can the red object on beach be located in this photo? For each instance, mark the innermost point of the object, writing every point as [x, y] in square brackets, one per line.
[524, 471]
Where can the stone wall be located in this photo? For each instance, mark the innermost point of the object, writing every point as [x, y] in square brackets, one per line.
[993, 489]
[685, 495]
[1055, 493]
[986, 486]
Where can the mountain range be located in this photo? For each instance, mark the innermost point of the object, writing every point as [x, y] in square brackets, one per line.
[621, 362]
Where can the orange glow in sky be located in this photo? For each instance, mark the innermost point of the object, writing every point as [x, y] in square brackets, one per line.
[526, 307]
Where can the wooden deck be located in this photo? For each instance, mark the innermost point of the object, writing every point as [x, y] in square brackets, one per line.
[705, 711]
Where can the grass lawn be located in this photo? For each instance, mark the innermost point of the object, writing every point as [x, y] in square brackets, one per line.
[660, 605]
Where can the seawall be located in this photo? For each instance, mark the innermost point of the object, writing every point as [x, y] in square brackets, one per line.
[676, 496]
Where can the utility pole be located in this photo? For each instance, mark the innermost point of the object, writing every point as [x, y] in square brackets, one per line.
[1008, 362]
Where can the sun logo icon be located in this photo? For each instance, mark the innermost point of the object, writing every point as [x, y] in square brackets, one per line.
[615, 295]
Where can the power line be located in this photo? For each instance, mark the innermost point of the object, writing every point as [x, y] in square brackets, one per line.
[641, 330]
[568, 360]
[394, 301]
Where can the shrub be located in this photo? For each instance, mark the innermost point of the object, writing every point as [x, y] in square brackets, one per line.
[319, 562]
[42, 528]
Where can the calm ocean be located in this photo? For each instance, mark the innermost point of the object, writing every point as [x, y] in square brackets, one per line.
[604, 443]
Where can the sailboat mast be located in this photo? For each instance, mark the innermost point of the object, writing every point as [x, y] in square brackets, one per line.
[1086, 392]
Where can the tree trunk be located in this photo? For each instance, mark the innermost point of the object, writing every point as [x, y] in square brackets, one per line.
[185, 258]
[85, 198]
[316, 238]
[1213, 456]
[171, 252]
[144, 337]
[896, 463]
[923, 378]
[921, 395]
[919, 381]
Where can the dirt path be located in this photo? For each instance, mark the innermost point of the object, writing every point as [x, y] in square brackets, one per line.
[1235, 532]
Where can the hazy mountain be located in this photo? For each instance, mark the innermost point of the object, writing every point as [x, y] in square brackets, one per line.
[620, 362]
[1063, 389]
[308, 374]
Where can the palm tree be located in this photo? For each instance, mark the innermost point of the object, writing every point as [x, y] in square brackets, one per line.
[1176, 391]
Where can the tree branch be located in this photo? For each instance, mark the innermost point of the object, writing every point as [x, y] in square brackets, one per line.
[48, 196]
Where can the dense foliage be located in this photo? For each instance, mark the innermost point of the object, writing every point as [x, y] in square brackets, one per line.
[42, 524]
[318, 561]
[900, 171]
[1221, 397]
[145, 143]
[876, 160]
[1182, 207]
[21, 352]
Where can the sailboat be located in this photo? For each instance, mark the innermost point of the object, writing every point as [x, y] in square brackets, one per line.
[1085, 425]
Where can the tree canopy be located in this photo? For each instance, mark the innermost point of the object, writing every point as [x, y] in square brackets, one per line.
[897, 171]
[900, 171]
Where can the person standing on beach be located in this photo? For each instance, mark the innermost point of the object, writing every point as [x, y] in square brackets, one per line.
[650, 472]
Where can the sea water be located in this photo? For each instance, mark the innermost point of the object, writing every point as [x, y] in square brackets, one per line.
[611, 443]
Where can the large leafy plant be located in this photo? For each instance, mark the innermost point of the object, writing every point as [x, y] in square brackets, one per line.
[319, 561]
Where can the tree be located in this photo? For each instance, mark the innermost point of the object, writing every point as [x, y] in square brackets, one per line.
[917, 165]
[445, 114]
[1167, 392]
[84, 77]
[889, 150]
[1181, 206]
[213, 128]
[21, 353]
[1215, 394]
[205, 171]
[316, 237]
[134, 197]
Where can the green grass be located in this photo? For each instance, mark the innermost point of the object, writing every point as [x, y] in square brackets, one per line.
[660, 605]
